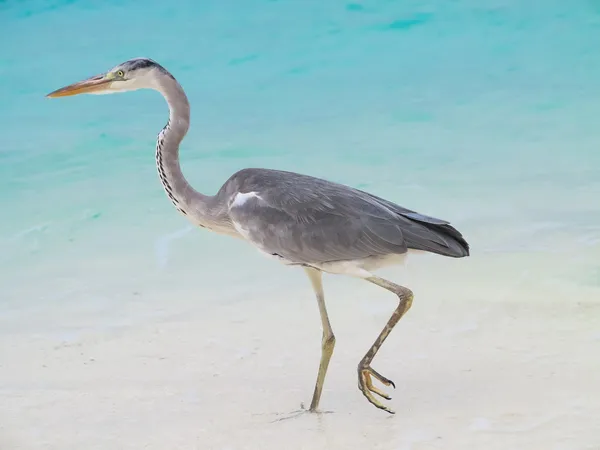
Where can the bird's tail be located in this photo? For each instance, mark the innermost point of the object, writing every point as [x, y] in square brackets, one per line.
[427, 233]
[435, 235]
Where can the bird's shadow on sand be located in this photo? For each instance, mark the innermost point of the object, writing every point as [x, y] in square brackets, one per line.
[294, 414]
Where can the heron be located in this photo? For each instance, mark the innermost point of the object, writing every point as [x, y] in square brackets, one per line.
[299, 220]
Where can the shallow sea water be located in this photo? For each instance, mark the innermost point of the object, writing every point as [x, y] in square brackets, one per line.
[484, 113]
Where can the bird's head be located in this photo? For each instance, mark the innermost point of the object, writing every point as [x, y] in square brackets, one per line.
[138, 73]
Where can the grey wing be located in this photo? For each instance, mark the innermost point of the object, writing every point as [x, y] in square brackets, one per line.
[308, 220]
[306, 227]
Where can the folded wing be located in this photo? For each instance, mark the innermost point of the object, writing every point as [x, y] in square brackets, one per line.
[315, 221]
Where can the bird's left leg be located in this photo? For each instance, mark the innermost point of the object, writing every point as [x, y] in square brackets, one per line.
[328, 341]
[365, 372]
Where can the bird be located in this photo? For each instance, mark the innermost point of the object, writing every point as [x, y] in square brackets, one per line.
[299, 220]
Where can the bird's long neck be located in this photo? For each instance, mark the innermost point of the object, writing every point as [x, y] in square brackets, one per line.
[193, 204]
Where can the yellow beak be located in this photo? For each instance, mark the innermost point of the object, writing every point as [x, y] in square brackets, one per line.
[93, 84]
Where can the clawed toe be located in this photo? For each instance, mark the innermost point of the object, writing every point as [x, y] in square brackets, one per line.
[381, 378]
[365, 384]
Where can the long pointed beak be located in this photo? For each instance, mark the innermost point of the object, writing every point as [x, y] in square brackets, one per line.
[94, 84]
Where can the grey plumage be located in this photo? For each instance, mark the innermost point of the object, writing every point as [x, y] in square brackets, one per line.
[135, 64]
[301, 220]
[306, 220]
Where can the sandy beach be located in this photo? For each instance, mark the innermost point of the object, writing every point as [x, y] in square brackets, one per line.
[479, 364]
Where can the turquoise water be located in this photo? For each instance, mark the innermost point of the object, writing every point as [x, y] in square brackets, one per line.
[484, 113]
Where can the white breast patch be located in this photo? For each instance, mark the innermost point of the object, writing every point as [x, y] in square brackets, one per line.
[242, 198]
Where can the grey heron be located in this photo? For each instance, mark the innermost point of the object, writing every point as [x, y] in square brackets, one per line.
[297, 219]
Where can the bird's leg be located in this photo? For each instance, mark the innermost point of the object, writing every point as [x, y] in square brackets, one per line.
[328, 341]
[365, 372]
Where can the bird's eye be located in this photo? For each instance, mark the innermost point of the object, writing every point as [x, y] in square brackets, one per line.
[120, 73]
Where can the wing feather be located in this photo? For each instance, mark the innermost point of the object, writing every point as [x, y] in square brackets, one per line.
[309, 220]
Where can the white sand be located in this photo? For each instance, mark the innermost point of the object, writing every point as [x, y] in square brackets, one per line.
[493, 355]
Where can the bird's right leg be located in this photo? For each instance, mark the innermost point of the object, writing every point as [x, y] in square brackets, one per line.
[328, 341]
[365, 372]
